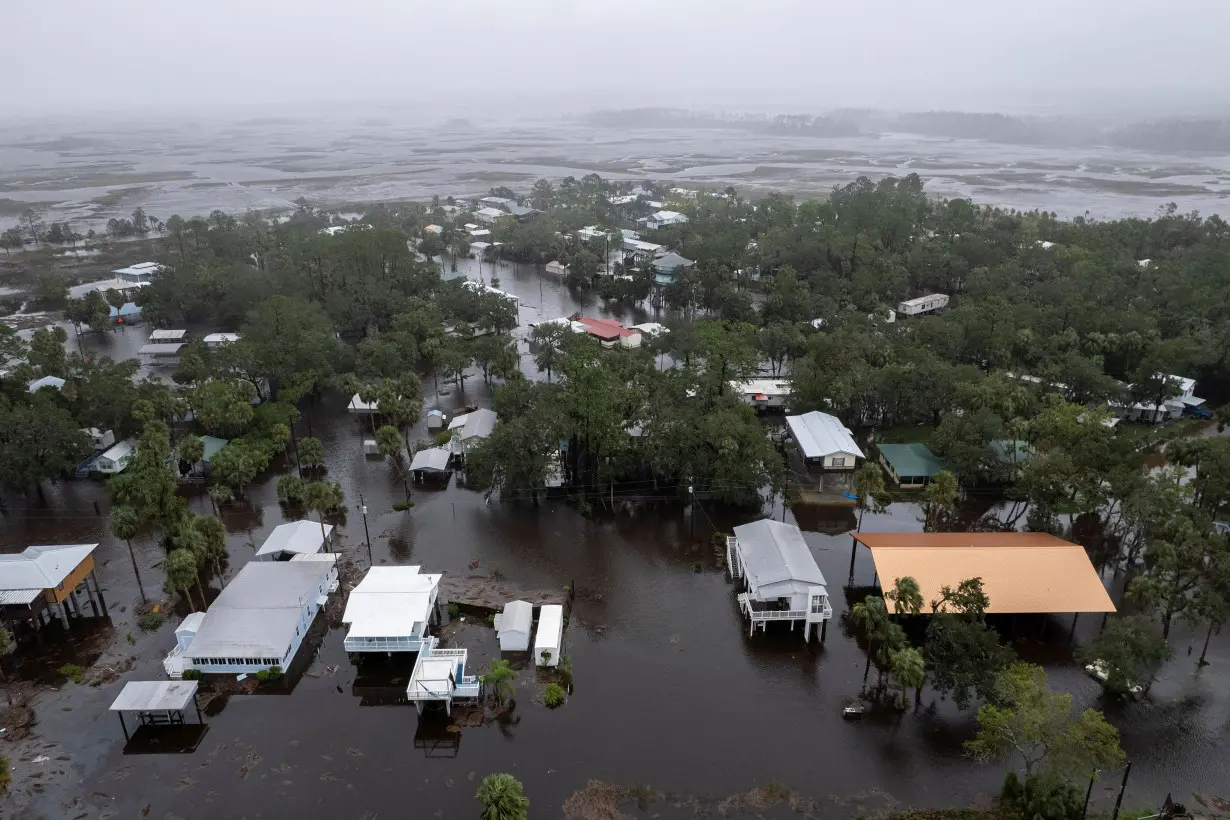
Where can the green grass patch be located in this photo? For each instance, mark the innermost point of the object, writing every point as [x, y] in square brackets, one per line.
[73, 672]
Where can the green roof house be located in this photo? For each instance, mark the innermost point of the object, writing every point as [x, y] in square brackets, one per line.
[910, 465]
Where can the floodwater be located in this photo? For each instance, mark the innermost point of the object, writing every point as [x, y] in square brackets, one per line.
[670, 692]
[88, 172]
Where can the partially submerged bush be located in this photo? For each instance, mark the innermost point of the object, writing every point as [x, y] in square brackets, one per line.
[151, 621]
[402, 506]
[73, 672]
[554, 695]
[191, 674]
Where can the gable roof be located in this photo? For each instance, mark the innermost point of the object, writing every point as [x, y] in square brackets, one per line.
[41, 567]
[605, 328]
[45, 381]
[434, 459]
[671, 261]
[301, 537]
[478, 424]
[518, 616]
[773, 552]
[820, 435]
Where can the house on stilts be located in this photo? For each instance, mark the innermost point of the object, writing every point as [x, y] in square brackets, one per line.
[781, 579]
[439, 676]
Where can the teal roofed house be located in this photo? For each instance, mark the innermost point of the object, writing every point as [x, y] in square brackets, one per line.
[666, 268]
[910, 465]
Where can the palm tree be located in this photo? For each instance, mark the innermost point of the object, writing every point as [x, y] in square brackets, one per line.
[909, 670]
[181, 572]
[389, 441]
[502, 798]
[213, 535]
[311, 453]
[871, 625]
[322, 497]
[219, 494]
[869, 487]
[906, 597]
[500, 679]
[190, 540]
[940, 494]
[290, 488]
[191, 449]
[125, 523]
[8, 645]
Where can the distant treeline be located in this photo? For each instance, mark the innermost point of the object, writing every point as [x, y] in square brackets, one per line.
[1211, 135]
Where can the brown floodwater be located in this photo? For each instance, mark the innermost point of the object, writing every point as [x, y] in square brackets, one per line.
[670, 691]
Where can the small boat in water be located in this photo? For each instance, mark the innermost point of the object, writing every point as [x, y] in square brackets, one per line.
[854, 711]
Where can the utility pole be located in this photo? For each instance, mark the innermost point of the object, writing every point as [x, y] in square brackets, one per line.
[366, 533]
[691, 513]
[1122, 789]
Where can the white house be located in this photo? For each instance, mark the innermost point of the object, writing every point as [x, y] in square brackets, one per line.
[258, 621]
[557, 268]
[661, 219]
[54, 382]
[781, 578]
[763, 394]
[487, 216]
[639, 250]
[514, 625]
[100, 439]
[1169, 410]
[611, 334]
[824, 440]
[358, 407]
[469, 429]
[215, 339]
[431, 462]
[141, 273]
[160, 354]
[923, 304]
[116, 458]
[391, 610]
[439, 676]
[295, 538]
[549, 639]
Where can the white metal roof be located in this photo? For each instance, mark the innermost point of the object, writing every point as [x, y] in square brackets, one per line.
[301, 537]
[257, 613]
[518, 616]
[45, 381]
[769, 387]
[18, 597]
[357, 405]
[493, 213]
[154, 696]
[820, 434]
[160, 349]
[435, 459]
[41, 567]
[221, 338]
[139, 269]
[79, 291]
[167, 335]
[120, 450]
[479, 423]
[190, 624]
[1186, 385]
[550, 628]
[773, 552]
[389, 602]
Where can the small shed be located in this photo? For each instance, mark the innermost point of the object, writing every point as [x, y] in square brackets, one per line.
[557, 268]
[910, 465]
[550, 636]
[358, 407]
[514, 625]
[435, 420]
[370, 447]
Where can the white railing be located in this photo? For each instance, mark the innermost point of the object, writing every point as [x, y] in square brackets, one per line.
[778, 615]
[447, 653]
[732, 557]
[174, 664]
[406, 644]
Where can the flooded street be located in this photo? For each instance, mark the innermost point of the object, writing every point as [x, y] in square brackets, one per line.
[670, 692]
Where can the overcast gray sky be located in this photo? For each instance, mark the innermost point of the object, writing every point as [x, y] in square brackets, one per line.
[978, 54]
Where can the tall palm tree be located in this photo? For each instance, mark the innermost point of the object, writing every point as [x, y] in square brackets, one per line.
[502, 798]
[909, 670]
[871, 625]
[906, 597]
[125, 523]
[322, 497]
[869, 487]
[940, 494]
[181, 571]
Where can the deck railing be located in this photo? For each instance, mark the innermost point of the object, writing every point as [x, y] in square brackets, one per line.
[406, 644]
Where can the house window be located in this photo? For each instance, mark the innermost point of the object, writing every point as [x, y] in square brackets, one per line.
[817, 604]
[839, 461]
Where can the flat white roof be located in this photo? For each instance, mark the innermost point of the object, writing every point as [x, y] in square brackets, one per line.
[119, 450]
[768, 387]
[167, 335]
[78, 291]
[138, 269]
[45, 381]
[432, 678]
[550, 628]
[389, 602]
[301, 537]
[221, 338]
[155, 696]
[41, 567]
[357, 405]
[820, 434]
[921, 300]
[478, 424]
[160, 349]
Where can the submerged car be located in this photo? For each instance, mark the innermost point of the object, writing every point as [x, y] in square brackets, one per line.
[1099, 670]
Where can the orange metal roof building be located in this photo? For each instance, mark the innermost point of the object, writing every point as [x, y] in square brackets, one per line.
[1021, 572]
